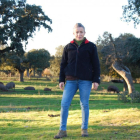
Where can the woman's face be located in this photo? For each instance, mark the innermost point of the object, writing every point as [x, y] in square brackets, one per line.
[79, 33]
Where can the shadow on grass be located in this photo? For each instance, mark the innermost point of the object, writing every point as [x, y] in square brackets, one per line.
[36, 83]
[30, 92]
[53, 102]
[96, 132]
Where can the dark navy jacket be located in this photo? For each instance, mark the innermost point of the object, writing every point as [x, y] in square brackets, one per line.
[80, 61]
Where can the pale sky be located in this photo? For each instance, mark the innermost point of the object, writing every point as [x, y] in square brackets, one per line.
[97, 16]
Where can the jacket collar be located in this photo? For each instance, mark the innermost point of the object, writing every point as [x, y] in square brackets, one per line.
[85, 41]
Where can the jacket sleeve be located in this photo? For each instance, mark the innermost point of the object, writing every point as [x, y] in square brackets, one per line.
[96, 65]
[63, 65]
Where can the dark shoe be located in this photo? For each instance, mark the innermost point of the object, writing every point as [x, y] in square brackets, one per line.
[84, 133]
[60, 134]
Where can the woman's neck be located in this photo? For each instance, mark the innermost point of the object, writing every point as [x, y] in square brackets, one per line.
[79, 41]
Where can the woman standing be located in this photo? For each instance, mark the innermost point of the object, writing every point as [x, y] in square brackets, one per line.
[81, 69]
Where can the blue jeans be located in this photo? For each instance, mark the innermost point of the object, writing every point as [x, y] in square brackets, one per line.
[68, 94]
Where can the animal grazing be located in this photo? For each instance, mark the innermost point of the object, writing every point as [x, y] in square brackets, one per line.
[29, 88]
[117, 81]
[113, 88]
[1, 83]
[3, 87]
[10, 85]
[47, 89]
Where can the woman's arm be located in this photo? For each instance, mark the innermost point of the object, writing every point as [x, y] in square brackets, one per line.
[96, 66]
[95, 86]
[63, 65]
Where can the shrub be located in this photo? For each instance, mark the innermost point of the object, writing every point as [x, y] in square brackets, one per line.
[123, 97]
[134, 97]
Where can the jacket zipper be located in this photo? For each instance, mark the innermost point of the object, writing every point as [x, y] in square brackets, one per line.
[76, 60]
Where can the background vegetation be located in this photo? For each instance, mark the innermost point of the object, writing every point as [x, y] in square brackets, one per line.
[25, 114]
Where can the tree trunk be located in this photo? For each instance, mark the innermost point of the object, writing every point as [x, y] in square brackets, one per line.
[40, 74]
[27, 72]
[126, 74]
[10, 74]
[30, 74]
[125, 88]
[34, 72]
[21, 76]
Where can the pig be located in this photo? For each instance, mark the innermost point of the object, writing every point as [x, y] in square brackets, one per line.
[1, 83]
[3, 88]
[113, 88]
[47, 89]
[29, 88]
[10, 85]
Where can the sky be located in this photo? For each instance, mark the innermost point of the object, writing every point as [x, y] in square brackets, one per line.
[97, 16]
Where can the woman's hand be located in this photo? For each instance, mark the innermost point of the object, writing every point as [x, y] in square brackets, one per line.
[95, 86]
[61, 85]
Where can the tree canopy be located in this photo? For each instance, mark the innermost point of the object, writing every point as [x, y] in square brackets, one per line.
[122, 49]
[127, 52]
[38, 58]
[56, 60]
[131, 12]
[18, 23]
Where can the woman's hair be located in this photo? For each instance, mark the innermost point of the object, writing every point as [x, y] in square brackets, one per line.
[79, 25]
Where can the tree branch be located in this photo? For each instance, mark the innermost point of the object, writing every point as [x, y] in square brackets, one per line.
[114, 46]
[7, 49]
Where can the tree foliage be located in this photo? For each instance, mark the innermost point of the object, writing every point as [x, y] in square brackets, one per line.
[55, 66]
[56, 60]
[59, 51]
[12, 61]
[131, 12]
[18, 23]
[101, 42]
[127, 52]
[133, 44]
[39, 58]
[133, 57]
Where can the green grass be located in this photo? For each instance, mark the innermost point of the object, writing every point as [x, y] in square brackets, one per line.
[24, 114]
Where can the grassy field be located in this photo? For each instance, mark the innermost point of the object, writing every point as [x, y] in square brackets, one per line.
[25, 115]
